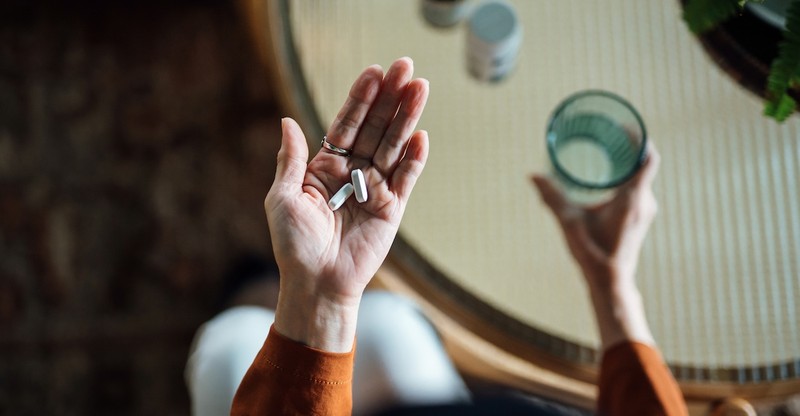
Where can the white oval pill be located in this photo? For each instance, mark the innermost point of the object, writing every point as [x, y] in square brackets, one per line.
[337, 200]
[360, 185]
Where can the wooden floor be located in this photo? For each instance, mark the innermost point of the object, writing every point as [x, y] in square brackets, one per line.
[136, 146]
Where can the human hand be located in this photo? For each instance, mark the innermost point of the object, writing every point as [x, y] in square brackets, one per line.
[605, 239]
[326, 258]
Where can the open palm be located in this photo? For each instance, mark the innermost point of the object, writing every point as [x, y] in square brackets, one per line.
[338, 252]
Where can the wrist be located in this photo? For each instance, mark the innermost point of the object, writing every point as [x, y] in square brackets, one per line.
[609, 278]
[317, 320]
[620, 314]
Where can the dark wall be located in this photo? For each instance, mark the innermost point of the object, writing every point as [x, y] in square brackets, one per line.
[136, 146]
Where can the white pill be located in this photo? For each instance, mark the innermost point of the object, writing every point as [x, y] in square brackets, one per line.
[337, 200]
[360, 185]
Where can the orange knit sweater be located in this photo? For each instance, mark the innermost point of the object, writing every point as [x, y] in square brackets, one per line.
[289, 378]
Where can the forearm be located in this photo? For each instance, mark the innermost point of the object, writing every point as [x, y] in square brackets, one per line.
[634, 380]
[306, 364]
[289, 378]
[619, 311]
[316, 319]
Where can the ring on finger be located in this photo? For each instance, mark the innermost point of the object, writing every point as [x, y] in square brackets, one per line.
[332, 148]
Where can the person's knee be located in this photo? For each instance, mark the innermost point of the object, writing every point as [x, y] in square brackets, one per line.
[400, 357]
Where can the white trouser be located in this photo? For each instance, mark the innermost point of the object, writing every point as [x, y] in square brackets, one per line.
[399, 357]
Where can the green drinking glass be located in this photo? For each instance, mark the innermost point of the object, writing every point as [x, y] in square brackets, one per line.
[596, 141]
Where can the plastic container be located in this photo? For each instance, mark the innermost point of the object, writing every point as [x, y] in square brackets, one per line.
[494, 37]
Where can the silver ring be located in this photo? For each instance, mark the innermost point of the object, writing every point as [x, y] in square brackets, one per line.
[333, 148]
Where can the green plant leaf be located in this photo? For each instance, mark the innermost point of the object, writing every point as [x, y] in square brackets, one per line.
[785, 70]
[780, 109]
[703, 15]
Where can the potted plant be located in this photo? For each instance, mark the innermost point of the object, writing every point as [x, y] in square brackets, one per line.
[784, 72]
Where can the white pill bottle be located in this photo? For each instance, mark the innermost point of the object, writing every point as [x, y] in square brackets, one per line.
[494, 35]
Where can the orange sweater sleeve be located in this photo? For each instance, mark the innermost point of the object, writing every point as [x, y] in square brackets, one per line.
[635, 381]
[289, 378]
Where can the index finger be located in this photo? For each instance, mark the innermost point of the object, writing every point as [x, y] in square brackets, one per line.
[550, 193]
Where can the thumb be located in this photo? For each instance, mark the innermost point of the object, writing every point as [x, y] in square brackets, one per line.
[293, 156]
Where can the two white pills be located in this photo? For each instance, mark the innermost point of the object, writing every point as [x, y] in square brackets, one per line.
[357, 185]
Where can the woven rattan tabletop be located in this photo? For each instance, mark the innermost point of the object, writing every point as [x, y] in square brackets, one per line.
[720, 273]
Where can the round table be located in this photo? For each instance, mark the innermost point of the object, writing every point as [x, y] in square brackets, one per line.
[719, 272]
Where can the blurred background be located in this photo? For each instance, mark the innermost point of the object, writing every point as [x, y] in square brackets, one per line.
[137, 142]
[138, 139]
